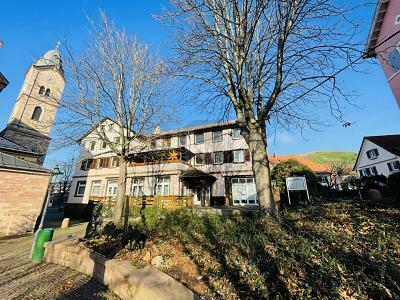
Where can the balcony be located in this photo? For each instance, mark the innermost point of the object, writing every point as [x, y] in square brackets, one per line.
[166, 202]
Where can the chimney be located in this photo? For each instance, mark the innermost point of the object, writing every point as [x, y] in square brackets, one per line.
[157, 129]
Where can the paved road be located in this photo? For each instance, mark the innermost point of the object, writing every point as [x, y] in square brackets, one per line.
[22, 279]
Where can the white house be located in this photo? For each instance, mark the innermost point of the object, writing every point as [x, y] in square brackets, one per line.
[212, 162]
[378, 155]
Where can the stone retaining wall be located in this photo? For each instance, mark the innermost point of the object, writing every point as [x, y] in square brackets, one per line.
[124, 279]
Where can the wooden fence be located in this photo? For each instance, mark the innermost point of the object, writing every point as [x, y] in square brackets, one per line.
[167, 202]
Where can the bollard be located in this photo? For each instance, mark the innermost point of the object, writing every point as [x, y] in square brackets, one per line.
[65, 223]
[44, 235]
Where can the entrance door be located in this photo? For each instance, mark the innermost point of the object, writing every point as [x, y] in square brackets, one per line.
[244, 191]
[202, 196]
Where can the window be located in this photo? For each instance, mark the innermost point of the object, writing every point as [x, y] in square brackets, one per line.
[103, 162]
[41, 90]
[86, 164]
[367, 172]
[394, 165]
[114, 162]
[374, 171]
[92, 145]
[217, 136]
[37, 113]
[137, 187]
[238, 156]
[236, 134]
[218, 157]
[112, 188]
[80, 188]
[372, 154]
[103, 145]
[182, 140]
[162, 186]
[116, 140]
[167, 142]
[199, 159]
[96, 185]
[110, 127]
[397, 20]
[199, 138]
[47, 93]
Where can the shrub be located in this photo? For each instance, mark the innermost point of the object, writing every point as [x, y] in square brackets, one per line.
[292, 167]
[374, 182]
[393, 183]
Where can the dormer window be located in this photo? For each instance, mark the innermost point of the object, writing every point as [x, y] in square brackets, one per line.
[47, 93]
[372, 154]
[41, 90]
[37, 113]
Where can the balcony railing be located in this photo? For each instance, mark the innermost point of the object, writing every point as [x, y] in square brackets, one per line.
[167, 202]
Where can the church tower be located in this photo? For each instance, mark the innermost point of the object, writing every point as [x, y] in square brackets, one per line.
[34, 111]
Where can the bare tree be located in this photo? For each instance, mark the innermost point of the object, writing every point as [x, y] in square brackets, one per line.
[62, 182]
[274, 62]
[115, 76]
[340, 168]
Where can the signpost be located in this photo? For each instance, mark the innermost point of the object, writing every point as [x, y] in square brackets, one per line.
[297, 183]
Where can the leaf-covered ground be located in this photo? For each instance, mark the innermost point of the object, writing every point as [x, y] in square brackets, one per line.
[342, 250]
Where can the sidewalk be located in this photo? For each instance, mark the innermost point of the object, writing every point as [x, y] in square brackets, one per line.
[22, 279]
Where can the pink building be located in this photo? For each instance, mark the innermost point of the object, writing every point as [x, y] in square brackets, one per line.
[384, 42]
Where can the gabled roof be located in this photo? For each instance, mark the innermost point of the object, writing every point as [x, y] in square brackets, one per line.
[12, 162]
[390, 143]
[93, 128]
[8, 145]
[379, 15]
[199, 127]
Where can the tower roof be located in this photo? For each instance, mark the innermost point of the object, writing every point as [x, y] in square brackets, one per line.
[51, 58]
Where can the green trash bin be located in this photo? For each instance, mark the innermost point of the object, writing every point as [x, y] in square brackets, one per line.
[43, 236]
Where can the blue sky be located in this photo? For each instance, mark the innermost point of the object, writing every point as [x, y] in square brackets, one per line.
[30, 28]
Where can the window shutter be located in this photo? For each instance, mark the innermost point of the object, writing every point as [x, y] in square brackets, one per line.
[207, 159]
[107, 162]
[246, 154]
[369, 154]
[228, 157]
[390, 167]
[93, 164]
[375, 171]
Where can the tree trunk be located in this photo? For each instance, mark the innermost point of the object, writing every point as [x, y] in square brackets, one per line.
[121, 190]
[262, 174]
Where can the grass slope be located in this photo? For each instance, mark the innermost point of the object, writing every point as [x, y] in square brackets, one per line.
[327, 156]
[329, 250]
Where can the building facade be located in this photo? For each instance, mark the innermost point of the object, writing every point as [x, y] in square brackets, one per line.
[378, 155]
[34, 111]
[23, 187]
[384, 42]
[211, 162]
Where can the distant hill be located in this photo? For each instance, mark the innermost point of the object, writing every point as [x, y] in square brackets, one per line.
[317, 161]
[324, 157]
